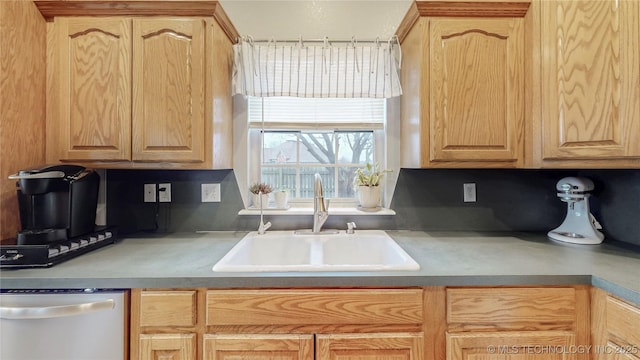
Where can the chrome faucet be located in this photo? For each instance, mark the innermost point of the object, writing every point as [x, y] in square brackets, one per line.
[262, 228]
[320, 213]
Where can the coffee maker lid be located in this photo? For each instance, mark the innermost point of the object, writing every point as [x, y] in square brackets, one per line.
[48, 172]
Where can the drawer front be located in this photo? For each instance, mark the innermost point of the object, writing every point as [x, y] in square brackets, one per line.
[480, 306]
[168, 308]
[314, 307]
[623, 321]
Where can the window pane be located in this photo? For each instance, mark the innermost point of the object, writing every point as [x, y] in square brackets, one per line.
[280, 178]
[318, 148]
[280, 147]
[307, 178]
[345, 182]
[355, 147]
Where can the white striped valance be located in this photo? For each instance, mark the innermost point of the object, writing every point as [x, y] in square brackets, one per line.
[317, 69]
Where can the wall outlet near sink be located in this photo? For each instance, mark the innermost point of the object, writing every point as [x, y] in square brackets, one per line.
[210, 193]
[150, 193]
[469, 191]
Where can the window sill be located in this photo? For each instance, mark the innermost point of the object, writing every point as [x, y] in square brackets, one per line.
[309, 211]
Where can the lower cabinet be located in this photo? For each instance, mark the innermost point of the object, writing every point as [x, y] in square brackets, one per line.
[370, 346]
[167, 347]
[303, 347]
[517, 323]
[258, 346]
[616, 328]
[430, 323]
[338, 324]
[531, 345]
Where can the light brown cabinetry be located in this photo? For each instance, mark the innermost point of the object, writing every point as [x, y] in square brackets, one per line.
[616, 327]
[531, 323]
[463, 84]
[346, 324]
[284, 324]
[258, 346]
[167, 347]
[151, 91]
[164, 324]
[590, 83]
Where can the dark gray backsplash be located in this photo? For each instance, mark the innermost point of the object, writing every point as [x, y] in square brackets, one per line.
[424, 199]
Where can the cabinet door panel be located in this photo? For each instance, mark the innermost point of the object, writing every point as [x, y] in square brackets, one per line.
[477, 89]
[258, 347]
[94, 97]
[168, 347]
[391, 346]
[590, 80]
[540, 345]
[168, 89]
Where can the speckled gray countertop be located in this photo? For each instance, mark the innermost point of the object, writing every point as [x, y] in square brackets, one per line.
[185, 260]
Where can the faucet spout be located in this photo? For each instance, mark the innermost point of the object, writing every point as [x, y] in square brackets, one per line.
[320, 213]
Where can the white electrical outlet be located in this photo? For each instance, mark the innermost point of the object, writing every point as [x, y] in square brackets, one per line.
[469, 192]
[210, 192]
[150, 193]
[164, 193]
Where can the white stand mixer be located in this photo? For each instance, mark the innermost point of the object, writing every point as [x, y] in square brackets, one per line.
[579, 227]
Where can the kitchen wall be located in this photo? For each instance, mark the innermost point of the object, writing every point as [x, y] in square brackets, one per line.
[424, 199]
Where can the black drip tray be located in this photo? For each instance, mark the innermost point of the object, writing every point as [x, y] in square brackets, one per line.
[26, 256]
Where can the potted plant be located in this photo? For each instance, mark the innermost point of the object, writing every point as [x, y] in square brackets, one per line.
[367, 183]
[256, 189]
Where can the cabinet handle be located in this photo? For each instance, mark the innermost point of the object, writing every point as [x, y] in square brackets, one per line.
[47, 312]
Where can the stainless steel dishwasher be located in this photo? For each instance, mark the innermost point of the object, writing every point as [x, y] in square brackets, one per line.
[85, 324]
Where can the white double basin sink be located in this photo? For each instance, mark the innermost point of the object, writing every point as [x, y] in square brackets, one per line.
[284, 251]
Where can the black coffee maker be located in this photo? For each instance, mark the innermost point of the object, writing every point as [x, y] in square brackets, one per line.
[57, 202]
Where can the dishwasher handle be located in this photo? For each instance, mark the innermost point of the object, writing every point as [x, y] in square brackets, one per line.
[47, 312]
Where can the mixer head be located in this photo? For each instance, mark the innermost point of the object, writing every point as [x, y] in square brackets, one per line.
[571, 189]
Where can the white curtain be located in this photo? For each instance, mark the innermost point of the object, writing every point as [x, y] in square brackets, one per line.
[317, 69]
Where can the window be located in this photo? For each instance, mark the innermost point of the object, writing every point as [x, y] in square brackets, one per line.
[291, 139]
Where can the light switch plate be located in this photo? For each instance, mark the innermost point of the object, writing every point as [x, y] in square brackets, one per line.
[164, 195]
[149, 193]
[210, 192]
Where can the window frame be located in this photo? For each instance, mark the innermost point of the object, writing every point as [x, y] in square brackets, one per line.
[388, 139]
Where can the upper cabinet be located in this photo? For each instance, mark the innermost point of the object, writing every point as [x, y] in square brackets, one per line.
[463, 84]
[149, 91]
[590, 81]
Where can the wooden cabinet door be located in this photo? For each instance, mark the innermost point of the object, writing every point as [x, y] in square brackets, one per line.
[590, 77]
[167, 347]
[476, 89]
[396, 346]
[258, 347]
[89, 97]
[168, 89]
[529, 345]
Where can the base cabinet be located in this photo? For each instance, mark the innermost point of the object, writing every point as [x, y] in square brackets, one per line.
[369, 346]
[430, 323]
[168, 347]
[282, 324]
[258, 347]
[616, 328]
[517, 323]
[538, 345]
[301, 347]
